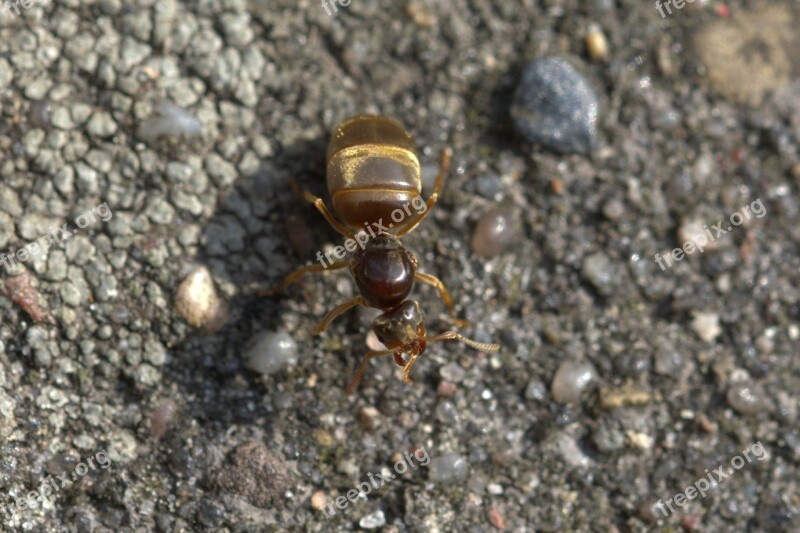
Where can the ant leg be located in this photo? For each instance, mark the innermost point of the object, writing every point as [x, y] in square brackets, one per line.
[297, 274]
[323, 209]
[452, 335]
[433, 281]
[444, 164]
[407, 369]
[335, 312]
[361, 367]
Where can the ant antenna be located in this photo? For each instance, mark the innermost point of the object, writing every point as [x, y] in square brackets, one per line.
[447, 335]
[450, 335]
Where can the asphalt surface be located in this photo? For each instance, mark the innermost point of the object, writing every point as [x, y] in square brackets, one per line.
[146, 142]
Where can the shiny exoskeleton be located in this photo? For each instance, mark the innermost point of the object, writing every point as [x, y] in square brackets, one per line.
[373, 174]
[372, 170]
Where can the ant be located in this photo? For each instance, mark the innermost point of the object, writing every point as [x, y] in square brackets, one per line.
[372, 173]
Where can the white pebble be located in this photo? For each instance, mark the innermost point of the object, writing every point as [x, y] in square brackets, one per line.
[570, 451]
[706, 326]
[694, 230]
[495, 489]
[570, 380]
[171, 121]
[198, 303]
[373, 521]
[448, 468]
[269, 352]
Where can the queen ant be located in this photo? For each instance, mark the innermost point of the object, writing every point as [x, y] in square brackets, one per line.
[372, 171]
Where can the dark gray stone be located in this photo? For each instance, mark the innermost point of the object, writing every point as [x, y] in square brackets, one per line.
[554, 106]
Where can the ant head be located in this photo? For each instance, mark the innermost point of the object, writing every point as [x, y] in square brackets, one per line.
[402, 331]
[384, 271]
[401, 326]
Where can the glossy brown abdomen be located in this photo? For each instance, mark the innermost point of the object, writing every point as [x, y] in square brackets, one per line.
[372, 171]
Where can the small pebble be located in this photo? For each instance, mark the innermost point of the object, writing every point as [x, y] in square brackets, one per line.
[447, 413]
[170, 121]
[101, 125]
[318, 501]
[490, 187]
[706, 326]
[748, 399]
[632, 364]
[596, 44]
[535, 390]
[445, 389]
[452, 372]
[570, 380]
[628, 394]
[705, 425]
[613, 209]
[639, 440]
[373, 521]
[495, 489]
[598, 270]
[162, 418]
[368, 417]
[476, 484]
[323, 438]
[269, 352]
[648, 511]
[421, 15]
[669, 361]
[691, 522]
[695, 231]
[571, 452]
[198, 303]
[555, 106]
[608, 439]
[448, 468]
[18, 289]
[495, 232]
[495, 518]
[39, 114]
[348, 468]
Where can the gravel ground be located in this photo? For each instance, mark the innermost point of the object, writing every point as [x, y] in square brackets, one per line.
[164, 134]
